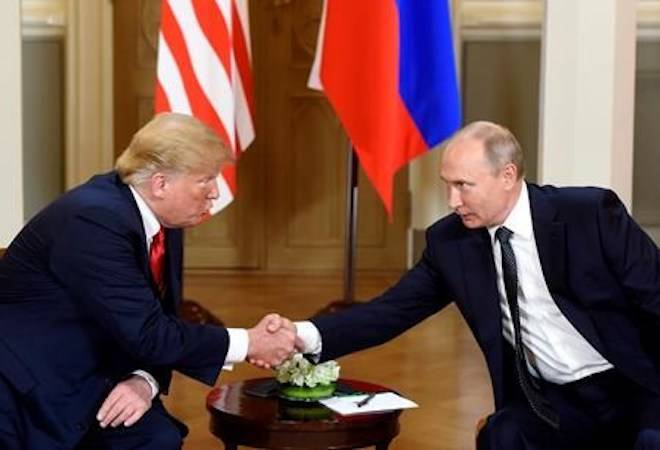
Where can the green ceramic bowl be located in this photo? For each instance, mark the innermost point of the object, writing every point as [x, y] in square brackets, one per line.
[306, 394]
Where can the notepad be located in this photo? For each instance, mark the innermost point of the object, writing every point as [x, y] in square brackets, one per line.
[383, 401]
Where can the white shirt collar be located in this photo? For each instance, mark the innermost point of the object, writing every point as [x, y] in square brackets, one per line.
[149, 220]
[519, 219]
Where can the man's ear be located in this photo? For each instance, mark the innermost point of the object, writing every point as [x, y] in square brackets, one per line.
[510, 174]
[158, 184]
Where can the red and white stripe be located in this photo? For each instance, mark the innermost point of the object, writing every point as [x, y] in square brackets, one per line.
[204, 69]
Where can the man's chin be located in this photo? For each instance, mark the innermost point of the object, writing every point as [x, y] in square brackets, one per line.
[471, 222]
[196, 220]
[193, 222]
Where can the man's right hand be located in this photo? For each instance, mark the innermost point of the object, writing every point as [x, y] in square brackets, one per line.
[126, 403]
[271, 341]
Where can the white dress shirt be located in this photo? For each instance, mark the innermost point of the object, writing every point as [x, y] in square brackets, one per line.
[555, 350]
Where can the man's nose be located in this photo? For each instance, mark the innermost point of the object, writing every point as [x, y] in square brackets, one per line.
[214, 192]
[454, 197]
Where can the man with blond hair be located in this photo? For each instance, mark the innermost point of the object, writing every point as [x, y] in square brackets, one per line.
[89, 292]
[560, 287]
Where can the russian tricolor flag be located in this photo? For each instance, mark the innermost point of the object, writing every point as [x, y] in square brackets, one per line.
[388, 70]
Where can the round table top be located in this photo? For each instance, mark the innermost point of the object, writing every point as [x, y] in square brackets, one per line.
[241, 418]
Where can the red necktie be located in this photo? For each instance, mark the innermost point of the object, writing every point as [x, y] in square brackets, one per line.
[157, 259]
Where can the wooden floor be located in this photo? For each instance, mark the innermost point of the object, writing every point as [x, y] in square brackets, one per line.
[437, 364]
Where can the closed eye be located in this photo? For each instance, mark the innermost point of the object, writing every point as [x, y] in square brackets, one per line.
[462, 185]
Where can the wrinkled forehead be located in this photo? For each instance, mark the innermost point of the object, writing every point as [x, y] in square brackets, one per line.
[465, 148]
[464, 154]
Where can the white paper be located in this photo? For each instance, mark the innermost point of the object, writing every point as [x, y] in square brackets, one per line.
[383, 401]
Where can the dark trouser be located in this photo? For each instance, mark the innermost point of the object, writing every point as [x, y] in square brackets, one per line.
[10, 419]
[156, 430]
[603, 411]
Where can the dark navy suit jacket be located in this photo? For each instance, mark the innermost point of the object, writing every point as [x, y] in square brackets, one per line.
[79, 312]
[602, 270]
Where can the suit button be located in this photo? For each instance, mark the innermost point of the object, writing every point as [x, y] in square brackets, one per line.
[80, 426]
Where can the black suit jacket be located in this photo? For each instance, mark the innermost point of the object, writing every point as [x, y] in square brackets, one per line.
[602, 270]
[79, 312]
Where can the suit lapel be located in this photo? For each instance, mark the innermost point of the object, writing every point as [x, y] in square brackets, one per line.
[482, 300]
[550, 235]
[172, 285]
[143, 254]
[481, 283]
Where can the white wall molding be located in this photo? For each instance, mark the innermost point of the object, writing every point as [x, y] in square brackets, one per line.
[522, 19]
[43, 18]
[11, 118]
[648, 20]
[501, 20]
[89, 121]
[86, 26]
[587, 103]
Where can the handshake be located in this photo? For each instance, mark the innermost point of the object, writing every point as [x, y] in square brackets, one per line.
[273, 340]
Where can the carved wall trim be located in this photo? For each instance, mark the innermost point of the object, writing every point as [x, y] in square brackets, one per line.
[497, 20]
[522, 19]
[43, 18]
[648, 20]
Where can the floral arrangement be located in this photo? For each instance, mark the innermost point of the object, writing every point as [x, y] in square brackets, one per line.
[298, 371]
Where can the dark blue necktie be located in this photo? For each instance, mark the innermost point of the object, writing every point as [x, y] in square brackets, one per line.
[530, 388]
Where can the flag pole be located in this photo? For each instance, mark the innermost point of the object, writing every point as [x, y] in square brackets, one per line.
[350, 238]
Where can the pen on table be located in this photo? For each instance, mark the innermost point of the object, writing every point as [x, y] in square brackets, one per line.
[365, 400]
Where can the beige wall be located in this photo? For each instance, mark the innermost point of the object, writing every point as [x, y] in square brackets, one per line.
[43, 121]
[11, 181]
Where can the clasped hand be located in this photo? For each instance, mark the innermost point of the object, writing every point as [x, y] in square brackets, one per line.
[272, 341]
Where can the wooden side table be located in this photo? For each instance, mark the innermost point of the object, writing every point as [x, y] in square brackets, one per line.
[238, 418]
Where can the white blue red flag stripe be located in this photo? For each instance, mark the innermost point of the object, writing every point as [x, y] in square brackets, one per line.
[204, 70]
[389, 73]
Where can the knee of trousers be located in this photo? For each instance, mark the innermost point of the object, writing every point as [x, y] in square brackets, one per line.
[647, 439]
[502, 431]
[169, 438]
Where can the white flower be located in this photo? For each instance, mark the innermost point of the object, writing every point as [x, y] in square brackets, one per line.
[300, 372]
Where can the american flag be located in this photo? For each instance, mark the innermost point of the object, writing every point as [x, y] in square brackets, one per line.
[204, 69]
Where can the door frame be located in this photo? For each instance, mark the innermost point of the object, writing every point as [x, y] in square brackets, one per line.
[88, 89]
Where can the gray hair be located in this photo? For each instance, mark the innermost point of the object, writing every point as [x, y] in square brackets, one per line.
[500, 145]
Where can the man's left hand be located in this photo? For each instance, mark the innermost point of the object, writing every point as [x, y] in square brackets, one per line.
[126, 403]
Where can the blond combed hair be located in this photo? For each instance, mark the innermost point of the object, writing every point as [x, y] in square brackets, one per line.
[174, 143]
[500, 145]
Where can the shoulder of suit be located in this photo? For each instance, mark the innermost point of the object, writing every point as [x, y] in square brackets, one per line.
[574, 199]
[103, 195]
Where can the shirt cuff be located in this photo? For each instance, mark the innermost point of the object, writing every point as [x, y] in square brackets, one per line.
[151, 381]
[238, 347]
[310, 337]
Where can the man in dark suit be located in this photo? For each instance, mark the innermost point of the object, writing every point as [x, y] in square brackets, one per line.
[560, 287]
[89, 291]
